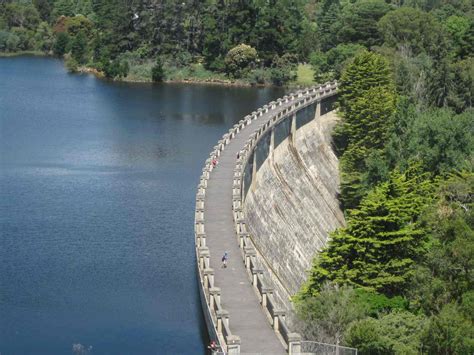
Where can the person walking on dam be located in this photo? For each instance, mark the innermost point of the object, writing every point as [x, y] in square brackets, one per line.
[224, 259]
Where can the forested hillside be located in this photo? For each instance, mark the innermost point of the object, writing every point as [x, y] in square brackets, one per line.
[122, 37]
[194, 37]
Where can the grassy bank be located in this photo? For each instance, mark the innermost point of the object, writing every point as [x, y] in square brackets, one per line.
[140, 72]
[20, 53]
[304, 75]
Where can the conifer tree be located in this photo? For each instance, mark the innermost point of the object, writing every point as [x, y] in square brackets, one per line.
[367, 103]
[382, 240]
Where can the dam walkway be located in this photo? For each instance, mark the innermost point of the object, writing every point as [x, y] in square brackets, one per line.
[237, 294]
[239, 304]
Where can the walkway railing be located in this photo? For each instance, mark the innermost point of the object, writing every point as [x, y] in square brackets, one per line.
[217, 317]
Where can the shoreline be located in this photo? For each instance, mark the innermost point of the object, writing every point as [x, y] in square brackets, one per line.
[194, 81]
[24, 53]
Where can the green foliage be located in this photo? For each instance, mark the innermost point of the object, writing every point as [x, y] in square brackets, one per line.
[240, 59]
[368, 70]
[60, 46]
[461, 94]
[367, 103]
[359, 22]
[63, 8]
[283, 69]
[260, 76]
[79, 47]
[77, 24]
[446, 273]
[21, 15]
[450, 332]
[394, 333]
[326, 315]
[382, 240]
[8, 41]
[329, 65]
[457, 27]
[157, 72]
[365, 336]
[439, 139]
[328, 22]
[114, 69]
[376, 303]
[412, 29]
[72, 65]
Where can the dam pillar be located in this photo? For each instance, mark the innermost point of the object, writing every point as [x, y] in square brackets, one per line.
[318, 109]
[293, 128]
[272, 143]
[254, 169]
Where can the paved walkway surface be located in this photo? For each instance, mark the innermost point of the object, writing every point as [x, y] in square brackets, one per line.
[246, 316]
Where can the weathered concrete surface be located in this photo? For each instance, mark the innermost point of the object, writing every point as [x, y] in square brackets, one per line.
[293, 205]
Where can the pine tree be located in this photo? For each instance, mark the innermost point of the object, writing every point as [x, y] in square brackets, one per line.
[327, 20]
[367, 102]
[382, 240]
[157, 72]
[367, 71]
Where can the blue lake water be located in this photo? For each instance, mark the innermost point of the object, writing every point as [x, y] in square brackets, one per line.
[97, 188]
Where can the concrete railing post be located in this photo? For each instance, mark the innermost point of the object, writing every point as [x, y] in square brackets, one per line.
[265, 292]
[203, 257]
[202, 239]
[242, 239]
[222, 316]
[277, 315]
[249, 252]
[209, 276]
[255, 273]
[294, 344]
[233, 345]
[214, 296]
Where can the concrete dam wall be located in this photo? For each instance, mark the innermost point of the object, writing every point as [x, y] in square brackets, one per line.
[291, 205]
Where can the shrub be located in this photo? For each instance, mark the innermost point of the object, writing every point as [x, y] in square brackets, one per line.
[158, 72]
[240, 59]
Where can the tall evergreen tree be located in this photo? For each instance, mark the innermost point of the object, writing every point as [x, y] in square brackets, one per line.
[382, 240]
[328, 23]
[367, 103]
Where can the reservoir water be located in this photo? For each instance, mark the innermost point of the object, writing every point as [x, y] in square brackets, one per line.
[97, 188]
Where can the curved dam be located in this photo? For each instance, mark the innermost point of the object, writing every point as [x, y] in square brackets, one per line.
[267, 198]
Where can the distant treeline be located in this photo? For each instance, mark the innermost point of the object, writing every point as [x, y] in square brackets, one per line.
[431, 38]
[107, 33]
